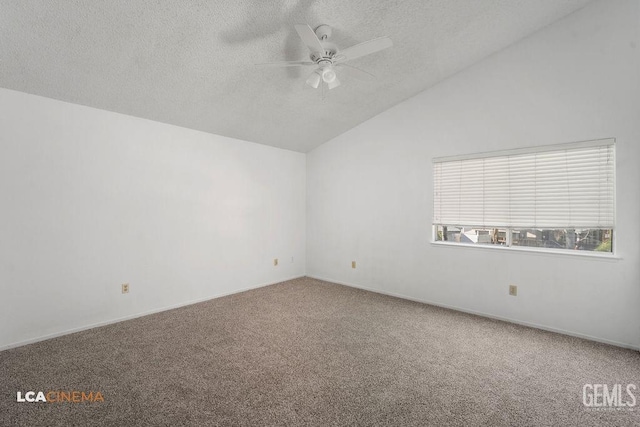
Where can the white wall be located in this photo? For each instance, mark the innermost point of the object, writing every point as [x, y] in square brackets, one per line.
[90, 199]
[369, 191]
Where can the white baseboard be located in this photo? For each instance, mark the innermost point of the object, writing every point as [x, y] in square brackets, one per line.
[136, 315]
[478, 313]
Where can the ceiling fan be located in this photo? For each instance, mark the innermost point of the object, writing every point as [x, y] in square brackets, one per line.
[326, 56]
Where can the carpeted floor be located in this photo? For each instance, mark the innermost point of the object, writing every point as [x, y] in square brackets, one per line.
[307, 352]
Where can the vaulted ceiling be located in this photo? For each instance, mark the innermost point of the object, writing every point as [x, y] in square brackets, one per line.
[191, 62]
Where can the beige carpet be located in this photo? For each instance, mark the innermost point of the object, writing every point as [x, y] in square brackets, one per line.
[306, 352]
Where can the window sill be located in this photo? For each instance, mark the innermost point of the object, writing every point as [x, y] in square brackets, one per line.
[536, 251]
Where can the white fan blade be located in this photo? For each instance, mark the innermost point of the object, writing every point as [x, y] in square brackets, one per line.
[334, 83]
[356, 72]
[287, 64]
[366, 48]
[309, 38]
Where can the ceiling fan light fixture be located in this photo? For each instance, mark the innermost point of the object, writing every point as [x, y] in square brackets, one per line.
[314, 80]
[328, 74]
[334, 83]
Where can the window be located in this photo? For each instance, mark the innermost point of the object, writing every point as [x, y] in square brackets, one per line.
[554, 197]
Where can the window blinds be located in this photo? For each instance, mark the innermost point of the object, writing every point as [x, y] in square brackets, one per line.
[562, 186]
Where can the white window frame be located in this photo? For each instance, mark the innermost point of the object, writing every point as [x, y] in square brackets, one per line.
[509, 230]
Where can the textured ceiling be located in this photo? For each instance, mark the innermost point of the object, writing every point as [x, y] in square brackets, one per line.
[191, 63]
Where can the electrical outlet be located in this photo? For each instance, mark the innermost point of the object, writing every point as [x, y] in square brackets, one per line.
[125, 288]
[275, 261]
[513, 290]
[353, 264]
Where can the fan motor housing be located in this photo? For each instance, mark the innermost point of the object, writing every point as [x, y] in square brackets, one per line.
[330, 51]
